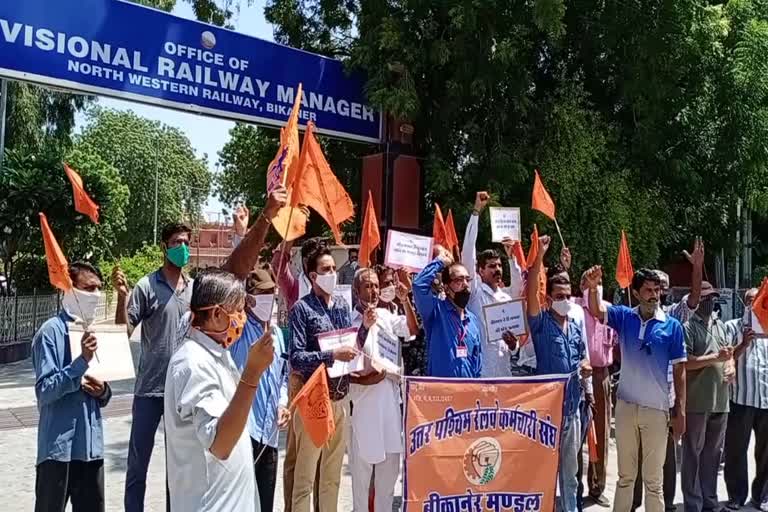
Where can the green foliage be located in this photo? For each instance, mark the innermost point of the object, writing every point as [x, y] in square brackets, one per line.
[140, 149]
[34, 184]
[145, 260]
[216, 12]
[649, 117]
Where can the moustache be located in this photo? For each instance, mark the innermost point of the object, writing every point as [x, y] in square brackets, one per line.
[497, 274]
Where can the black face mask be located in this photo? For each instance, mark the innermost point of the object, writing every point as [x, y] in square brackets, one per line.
[666, 300]
[461, 298]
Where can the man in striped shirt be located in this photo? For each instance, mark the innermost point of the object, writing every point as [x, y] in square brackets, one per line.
[749, 411]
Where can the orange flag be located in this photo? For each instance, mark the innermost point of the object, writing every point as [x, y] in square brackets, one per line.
[314, 404]
[83, 202]
[316, 186]
[370, 238]
[58, 268]
[541, 199]
[438, 228]
[760, 305]
[450, 232]
[517, 250]
[592, 442]
[282, 169]
[624, 271]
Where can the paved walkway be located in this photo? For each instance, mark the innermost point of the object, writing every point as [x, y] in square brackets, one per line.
[18, 434]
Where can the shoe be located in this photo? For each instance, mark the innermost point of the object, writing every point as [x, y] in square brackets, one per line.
[732, 505]
[764, 505]
[601, 501]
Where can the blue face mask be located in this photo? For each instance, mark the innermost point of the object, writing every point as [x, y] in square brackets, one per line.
[178, 255]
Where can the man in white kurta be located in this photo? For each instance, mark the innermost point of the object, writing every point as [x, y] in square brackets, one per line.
[376, 443]
[200, 383]
[485, 290]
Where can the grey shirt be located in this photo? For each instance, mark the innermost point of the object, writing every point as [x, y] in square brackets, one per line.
[158, 307]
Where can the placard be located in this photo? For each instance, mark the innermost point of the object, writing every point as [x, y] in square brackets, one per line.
[505, 316]
[386, 350]
[505, 222]
[345, 290]
[408, 251]
[341, 338]
[113, 360]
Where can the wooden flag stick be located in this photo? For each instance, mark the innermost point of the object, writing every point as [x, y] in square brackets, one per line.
[559, 233]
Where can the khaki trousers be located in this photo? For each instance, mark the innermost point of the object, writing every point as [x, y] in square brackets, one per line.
[331, 457]
[634, 425]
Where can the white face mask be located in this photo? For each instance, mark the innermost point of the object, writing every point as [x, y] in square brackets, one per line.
[747, 316]
[263, 307]
[327, 282]
[387, 294]
[561, 307]
[599, 294]
[81, 305]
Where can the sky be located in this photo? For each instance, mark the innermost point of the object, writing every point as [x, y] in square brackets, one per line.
[207, 135]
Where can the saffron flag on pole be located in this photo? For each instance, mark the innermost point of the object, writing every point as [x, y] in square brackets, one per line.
[541, 199]
[83, 202]
[760, 309]
[438, 228]
[533, 250]
[316, 186]
[282, 169]
[624, 271]
[450, 233]
[314, 406]
[58, 268]
[370, 238]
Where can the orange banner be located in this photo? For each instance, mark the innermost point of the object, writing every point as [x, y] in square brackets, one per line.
[482, 445]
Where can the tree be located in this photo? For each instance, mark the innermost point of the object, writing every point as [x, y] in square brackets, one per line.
[140, 150]
[34, 184]
[210, 11]
[649, 117]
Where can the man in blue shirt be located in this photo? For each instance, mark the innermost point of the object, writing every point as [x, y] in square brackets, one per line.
[70, 442]
[650, 341]
[557, 340]
[269, 411]
[316, 313]
[454, 348]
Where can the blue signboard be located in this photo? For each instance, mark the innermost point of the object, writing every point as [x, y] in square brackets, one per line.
[119, 49]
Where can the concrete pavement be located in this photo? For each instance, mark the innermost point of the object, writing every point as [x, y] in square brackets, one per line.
[18, 438]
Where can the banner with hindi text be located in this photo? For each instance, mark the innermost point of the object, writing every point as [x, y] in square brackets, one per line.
[475, 445]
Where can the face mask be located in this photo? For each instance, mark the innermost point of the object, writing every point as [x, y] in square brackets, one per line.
[263, 307]
[326, 282]
[387, 294]
[461, 298]
[561, 307]
[178, 255]
[747, 316]
[81, 304]
[666, 299]
[234, 329]
[599, 294]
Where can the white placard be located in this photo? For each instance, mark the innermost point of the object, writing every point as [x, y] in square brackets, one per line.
[345, 290]
[505, 222]
[505, 316]
[341, 338]
[113, 360]
[408, 251]
[386, 350]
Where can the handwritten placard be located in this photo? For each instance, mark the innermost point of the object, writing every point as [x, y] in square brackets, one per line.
[505, 222]
[404, 250]
[113, 360]
[507, 316]
[386, 350]
[341, 338]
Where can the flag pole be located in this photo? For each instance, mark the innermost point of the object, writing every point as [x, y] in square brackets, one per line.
[559, 233]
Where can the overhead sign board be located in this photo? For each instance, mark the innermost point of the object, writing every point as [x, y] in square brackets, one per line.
[124, 50]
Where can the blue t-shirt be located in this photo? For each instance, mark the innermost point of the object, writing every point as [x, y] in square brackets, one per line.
[647, 349]
[558, 352]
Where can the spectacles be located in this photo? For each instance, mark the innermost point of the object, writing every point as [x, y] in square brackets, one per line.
[460, 279]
